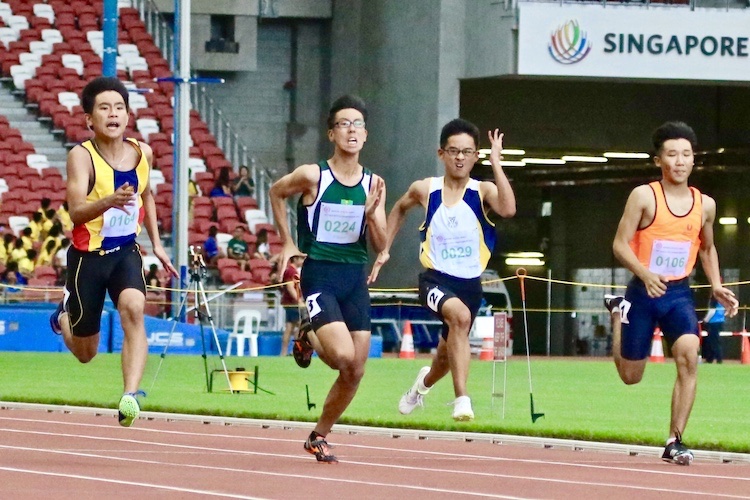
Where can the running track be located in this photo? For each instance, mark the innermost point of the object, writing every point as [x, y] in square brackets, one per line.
[78, 453]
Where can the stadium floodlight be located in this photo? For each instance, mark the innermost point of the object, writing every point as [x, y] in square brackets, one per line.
[626, 156]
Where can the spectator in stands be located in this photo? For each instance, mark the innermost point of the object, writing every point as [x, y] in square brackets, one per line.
[223, 184]
[26, 265]
[61, 261]
[106, 256]
[44, 205]
[64, 216]
[211, 251]
[244, 184]
[27, 238]
[55, 234]
[6, 246]
[51, 220]
[237, 248]
[11, 277]
[18, 252]
[47, 254]
[36, 224]
[262, 249]
[152, 277]
[291, 299]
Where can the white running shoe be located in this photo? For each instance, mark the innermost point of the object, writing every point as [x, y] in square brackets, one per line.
[413, 397]
[462, 411]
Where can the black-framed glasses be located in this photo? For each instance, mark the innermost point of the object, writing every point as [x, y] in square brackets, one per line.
[348, 123]
[453, 152]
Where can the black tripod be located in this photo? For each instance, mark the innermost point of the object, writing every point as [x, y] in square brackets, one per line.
[201, 311]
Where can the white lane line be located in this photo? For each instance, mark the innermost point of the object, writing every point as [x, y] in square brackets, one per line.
[364, 464]
[285, 475]
[675, 473]
[128, 483]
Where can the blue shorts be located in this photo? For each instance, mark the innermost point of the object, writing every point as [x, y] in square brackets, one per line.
[334, 291]
[436, 287]
[674, 312]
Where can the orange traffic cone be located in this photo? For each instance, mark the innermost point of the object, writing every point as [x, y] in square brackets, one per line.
[407, 342]
[488, 349]
[745, 353]
[657, 349]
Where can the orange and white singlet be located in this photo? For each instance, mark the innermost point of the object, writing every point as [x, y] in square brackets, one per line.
[115, 227]
[669, 245]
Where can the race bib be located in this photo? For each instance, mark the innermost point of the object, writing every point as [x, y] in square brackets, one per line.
[340, 223]
[116, 222]
[457, 253]
[669, 258]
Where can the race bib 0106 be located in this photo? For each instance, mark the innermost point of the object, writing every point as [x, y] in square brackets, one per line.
[669, 258]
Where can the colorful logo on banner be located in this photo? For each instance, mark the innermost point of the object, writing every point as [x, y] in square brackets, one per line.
[569, 44]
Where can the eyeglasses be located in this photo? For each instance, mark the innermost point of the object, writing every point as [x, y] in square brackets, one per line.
[453, 152]
[348, 123]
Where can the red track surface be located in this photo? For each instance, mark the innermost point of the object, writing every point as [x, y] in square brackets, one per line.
[58, 455]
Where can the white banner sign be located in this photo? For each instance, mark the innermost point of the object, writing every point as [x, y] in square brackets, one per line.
[632, 42]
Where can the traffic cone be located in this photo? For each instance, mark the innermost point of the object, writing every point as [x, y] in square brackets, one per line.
[745, 353]
[407, 342]
[488, 349]
[657, 349]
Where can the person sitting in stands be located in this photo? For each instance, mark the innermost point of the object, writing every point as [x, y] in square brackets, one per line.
[47, 254]
[36, 226]
[223, 185]
[18, 252]
[152, 277]
[244, 184]
[211, 251]
[64, 216]
[237, 248]
[26, 264]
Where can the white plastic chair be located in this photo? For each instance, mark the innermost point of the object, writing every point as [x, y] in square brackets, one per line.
[222, 241]
[69, 100]
[51, 35]
[137, 101]
[18, 23]
[40, 47]
[151, 259]
[37, 162]
[7, 35]
[253, 217]
[127, 49]
[44, 10]
[246, 327]
[18, 223]
[5, 12]
[73, 61]
[20, 73]
[31, 59]
[156, 177]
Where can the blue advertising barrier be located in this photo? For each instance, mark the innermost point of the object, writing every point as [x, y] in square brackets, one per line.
[269, 344]
[25, 327]
[186, 338]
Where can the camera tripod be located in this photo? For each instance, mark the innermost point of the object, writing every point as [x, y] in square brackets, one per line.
[201, 311]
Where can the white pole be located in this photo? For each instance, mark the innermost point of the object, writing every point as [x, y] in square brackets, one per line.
[182, 133]
[549, 310]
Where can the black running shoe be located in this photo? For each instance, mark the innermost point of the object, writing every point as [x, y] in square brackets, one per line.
[321, 449]
[677, 453]
[303, 349]
[612, 302]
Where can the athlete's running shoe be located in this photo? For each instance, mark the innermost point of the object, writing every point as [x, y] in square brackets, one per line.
[302, 350]
[612, 302]
[54, 319]
[317, 445]
[677, 453]
[413, 397]
[462, 411]
[129, 409]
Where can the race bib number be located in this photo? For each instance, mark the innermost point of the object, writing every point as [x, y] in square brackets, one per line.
[457, 252]
[116, 222]
[313, 308]
[669, 258]
[340, 223]
[434, 296]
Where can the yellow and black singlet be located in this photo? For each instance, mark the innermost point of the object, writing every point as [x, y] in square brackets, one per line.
[115, 227]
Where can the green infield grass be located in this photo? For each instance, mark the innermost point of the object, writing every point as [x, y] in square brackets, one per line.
[581, 398]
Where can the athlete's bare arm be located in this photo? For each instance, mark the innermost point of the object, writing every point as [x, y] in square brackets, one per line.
[639, 210]
[80, 171]
[710, 259]
[375, 213]
[303, 181]
[498, 196]
[150, 220]
[415, 195]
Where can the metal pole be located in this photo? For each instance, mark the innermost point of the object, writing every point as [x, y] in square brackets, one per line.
[109, 26]
[549, 309]
[181, 151]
